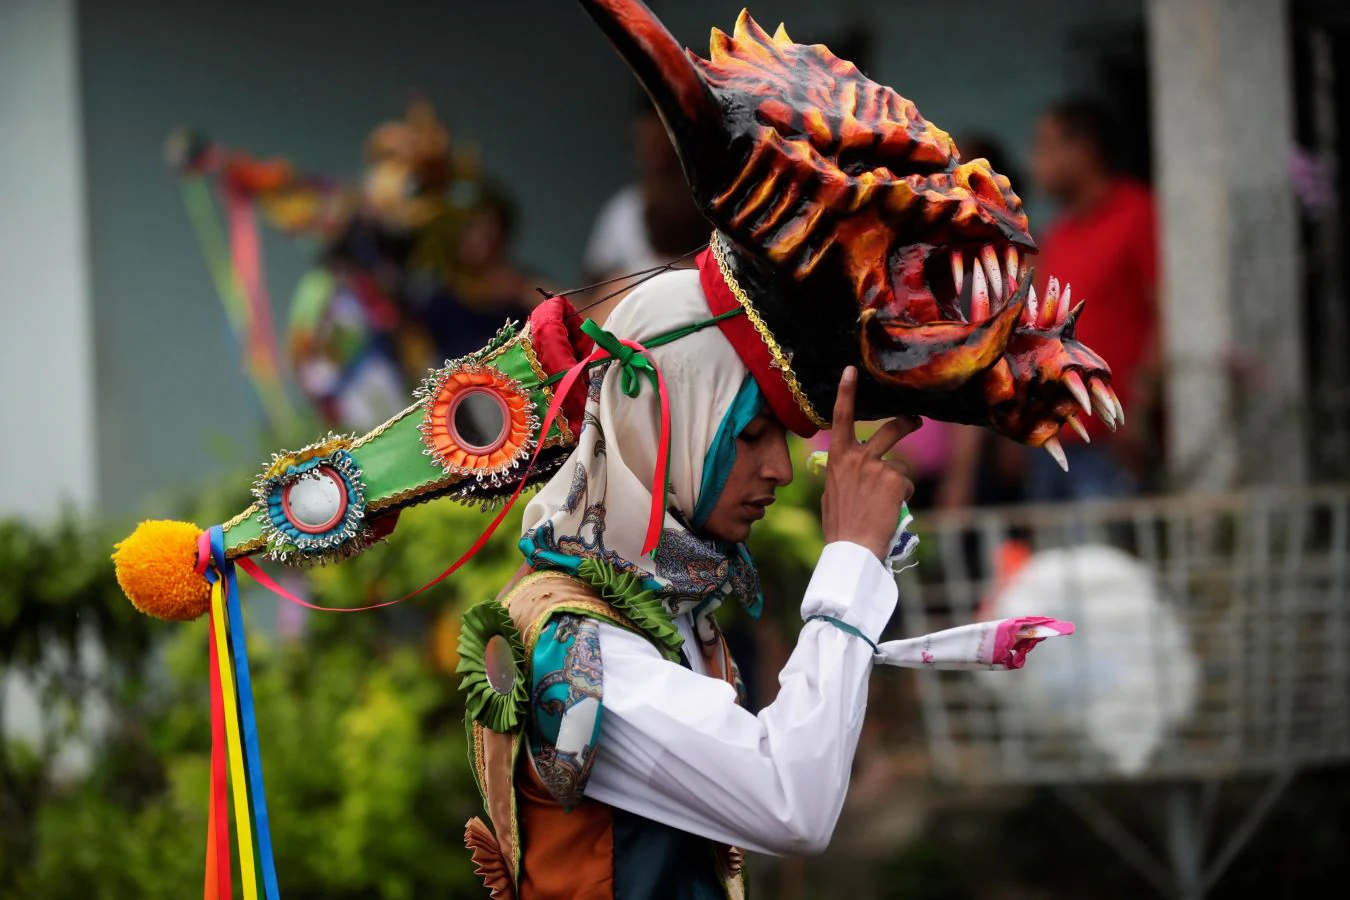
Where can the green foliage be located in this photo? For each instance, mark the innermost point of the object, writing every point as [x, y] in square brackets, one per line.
[57, 596]
[55, 585]
[360, 719]
[360, 722]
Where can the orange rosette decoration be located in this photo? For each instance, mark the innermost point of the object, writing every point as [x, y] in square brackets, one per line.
[478, 421]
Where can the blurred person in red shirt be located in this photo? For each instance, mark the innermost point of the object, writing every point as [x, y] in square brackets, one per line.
[1104, 245]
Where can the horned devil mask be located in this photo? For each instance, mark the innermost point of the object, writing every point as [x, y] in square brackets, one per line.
[856, 233]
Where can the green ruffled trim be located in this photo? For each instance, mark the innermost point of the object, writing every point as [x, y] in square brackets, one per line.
[503, 713]
[624, 592]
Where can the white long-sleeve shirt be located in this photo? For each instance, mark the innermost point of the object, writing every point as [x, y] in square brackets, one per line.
[675, 747]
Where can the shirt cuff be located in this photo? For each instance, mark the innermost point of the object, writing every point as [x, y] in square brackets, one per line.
[851, 585]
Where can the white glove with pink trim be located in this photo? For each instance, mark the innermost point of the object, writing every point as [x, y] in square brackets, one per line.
[1003, 644]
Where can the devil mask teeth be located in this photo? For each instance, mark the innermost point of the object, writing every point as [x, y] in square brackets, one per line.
[861, 237]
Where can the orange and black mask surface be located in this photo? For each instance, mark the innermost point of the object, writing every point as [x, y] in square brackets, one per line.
[860, 235]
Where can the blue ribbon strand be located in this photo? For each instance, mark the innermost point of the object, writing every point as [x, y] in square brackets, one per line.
[247, 719]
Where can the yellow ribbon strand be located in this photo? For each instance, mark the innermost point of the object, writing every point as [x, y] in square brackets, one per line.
[242, 819]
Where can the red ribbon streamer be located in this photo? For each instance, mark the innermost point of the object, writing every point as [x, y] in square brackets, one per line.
[246, 253]
[654, 524]
[212, 891]
[657, 517]
[218, 824]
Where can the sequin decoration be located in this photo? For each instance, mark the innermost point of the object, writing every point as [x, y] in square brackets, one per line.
[477, 421]
[313, 504]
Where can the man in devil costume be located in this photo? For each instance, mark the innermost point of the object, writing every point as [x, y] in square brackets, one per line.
[858, 269]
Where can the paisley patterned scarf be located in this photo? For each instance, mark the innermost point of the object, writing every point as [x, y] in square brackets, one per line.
[596, 507]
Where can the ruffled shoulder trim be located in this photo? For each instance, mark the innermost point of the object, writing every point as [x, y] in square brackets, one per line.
[625, 592]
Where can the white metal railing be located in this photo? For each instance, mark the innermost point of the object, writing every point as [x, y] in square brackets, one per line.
[1237, 661]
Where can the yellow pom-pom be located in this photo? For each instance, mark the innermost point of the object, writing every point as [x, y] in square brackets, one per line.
[157, 569]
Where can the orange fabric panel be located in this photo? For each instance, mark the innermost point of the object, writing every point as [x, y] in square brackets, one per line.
[568, 855]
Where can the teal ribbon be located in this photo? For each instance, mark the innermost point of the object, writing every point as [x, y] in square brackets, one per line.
[846, 628]
[721, 456]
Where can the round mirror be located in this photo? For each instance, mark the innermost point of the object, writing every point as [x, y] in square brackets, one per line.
[315, 502]
[500, 664]
[478, 420]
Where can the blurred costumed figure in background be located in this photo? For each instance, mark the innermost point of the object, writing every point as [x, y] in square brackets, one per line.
[413, 266]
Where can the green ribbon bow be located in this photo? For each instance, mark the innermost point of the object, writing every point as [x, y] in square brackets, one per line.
[632, 363]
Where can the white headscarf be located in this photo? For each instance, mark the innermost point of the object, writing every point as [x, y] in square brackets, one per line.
[598, 504]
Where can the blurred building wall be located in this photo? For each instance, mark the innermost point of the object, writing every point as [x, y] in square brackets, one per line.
[47, 453]
[533, 84]
[1229, 235]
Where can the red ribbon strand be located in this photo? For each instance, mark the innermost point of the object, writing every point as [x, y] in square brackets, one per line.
[246, 252]
[218, 823]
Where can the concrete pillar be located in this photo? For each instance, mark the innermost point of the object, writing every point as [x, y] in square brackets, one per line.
[1223, 124]
[47, 452]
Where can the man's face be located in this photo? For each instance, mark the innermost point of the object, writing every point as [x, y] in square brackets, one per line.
[762, 466]
[1058, 160]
